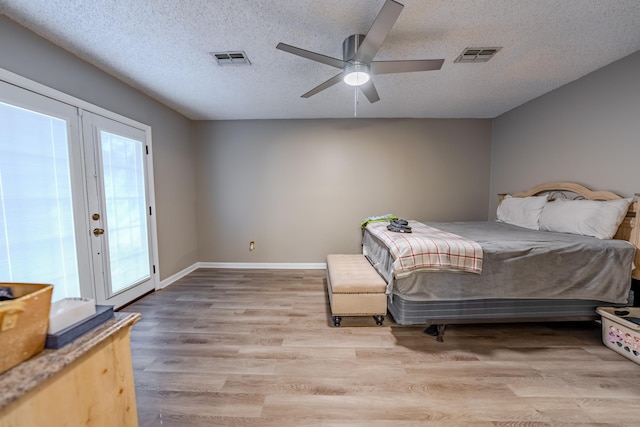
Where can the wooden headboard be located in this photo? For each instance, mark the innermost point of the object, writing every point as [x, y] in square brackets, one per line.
[628, 230]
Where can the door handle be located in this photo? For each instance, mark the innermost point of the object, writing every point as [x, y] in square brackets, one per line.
[98, 231]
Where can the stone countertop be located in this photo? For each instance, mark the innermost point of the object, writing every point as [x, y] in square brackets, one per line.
[19, 380]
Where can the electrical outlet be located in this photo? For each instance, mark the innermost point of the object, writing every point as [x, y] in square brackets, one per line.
[252, 245]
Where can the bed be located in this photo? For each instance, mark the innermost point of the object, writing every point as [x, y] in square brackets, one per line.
[550, 256]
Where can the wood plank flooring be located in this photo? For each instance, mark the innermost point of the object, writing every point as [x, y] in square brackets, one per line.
[226, 347]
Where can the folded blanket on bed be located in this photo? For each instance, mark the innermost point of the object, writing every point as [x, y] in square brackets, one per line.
[428, 248]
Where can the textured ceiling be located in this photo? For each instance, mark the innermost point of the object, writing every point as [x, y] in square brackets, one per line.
[162, 48]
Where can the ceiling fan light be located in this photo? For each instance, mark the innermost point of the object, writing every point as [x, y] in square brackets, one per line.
[356, 74]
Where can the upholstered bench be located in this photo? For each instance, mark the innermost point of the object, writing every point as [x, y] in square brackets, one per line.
[355, 288]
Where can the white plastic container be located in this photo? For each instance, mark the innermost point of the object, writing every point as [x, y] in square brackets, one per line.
[68, 311]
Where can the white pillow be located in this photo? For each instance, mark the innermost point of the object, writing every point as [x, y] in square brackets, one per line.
[599, 219]
[521, 211]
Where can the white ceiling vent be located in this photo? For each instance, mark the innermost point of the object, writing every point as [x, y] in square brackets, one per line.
[231, 58]
[477, 54]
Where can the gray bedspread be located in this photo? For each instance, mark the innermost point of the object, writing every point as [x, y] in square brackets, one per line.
[518, 263]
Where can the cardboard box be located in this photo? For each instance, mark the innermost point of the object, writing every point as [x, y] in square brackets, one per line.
[619, 333]
[23, 323]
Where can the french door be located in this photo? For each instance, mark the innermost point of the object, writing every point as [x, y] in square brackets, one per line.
[119, 209]
[75, 200]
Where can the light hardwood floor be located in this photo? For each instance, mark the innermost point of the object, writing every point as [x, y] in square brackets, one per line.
[257, 348]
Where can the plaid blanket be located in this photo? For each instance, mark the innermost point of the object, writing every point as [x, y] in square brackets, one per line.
[428, 248]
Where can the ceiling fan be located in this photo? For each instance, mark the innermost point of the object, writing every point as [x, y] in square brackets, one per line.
[358, 51]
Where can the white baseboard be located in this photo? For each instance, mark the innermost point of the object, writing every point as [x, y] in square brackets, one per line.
[179, 275]
[240, 265]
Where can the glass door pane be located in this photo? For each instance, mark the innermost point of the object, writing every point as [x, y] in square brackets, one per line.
[126, 207]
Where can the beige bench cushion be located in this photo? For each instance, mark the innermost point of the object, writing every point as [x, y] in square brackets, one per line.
[353, 274]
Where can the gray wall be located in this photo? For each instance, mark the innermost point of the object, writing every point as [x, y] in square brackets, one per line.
[587, 131]
[299, 188]
[24, 53]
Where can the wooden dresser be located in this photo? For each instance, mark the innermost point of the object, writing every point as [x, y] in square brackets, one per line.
[89, 382]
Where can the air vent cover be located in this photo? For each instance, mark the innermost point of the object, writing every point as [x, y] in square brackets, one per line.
[477, 54]
[231, 58]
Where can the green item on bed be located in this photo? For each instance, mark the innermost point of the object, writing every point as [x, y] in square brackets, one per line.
[378, 218]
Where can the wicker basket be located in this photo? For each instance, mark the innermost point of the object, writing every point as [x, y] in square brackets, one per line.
[23, 323]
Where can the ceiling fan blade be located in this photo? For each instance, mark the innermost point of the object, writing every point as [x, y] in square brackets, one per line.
[390, 67]
[378, 31]
[332, 81]
[328, 60]
[370, 91]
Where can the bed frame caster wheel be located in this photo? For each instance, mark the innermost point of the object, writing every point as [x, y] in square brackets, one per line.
[379, 319]
[336, 321]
